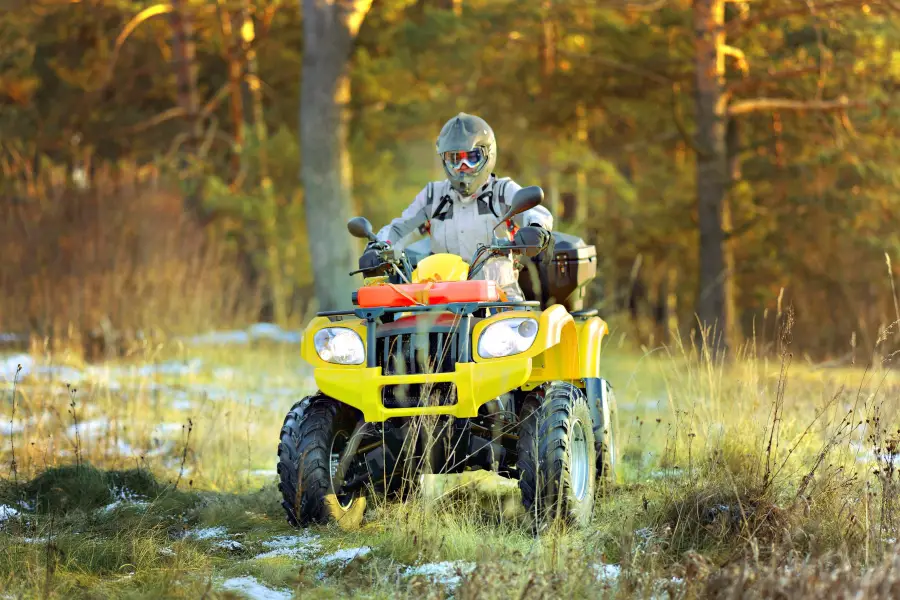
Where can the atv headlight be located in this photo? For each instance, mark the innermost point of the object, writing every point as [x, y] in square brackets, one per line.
[340, 345]
[507, 337]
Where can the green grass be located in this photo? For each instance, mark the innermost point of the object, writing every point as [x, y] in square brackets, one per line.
[726, 470]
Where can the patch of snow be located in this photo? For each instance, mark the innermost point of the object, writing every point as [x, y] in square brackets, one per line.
[89, 429]
[445, 573]
[10, 364]
[8, 338]
[225, 374]
[121, 448]
[219, 338]
[668, 474]
[212, 392]
[607, 572]
[171, 368]
[345, 555]
[264, 472]
[11, 426]
[7, 512]
[297, 546]
[272, 332]
[168, 428]
[166, 552]
[111, 506]
[122, 504]
[254, 590]
[237, 337]
[207, 533]
[59, 373]
[181, 404]
[230, 545]
[40, 540]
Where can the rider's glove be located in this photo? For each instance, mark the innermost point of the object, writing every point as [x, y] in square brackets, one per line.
[371, 258]
[532, 235]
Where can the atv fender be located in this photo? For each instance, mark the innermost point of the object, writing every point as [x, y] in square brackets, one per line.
[564, 349]
[590, 337]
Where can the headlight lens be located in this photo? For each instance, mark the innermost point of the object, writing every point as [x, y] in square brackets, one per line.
[507, 337]
[340, 345]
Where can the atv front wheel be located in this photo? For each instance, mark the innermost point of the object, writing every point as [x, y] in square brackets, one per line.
[556, 457]
[315, 434]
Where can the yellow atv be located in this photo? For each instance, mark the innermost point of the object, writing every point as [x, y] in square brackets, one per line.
[435, 372]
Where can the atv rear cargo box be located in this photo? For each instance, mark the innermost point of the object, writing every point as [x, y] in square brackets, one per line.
[563, 273]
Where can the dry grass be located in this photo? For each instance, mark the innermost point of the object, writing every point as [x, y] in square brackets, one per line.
[757, 477]
[115, 268]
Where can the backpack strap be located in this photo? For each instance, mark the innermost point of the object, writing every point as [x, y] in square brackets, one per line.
[425, 228]
[438, 212]
[501, 197]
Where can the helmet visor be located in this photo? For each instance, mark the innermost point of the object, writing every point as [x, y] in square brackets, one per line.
[473, 159]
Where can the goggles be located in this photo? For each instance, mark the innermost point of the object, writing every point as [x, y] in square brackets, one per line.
[457, 158]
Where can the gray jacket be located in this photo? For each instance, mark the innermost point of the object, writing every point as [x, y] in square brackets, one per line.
[459, 224]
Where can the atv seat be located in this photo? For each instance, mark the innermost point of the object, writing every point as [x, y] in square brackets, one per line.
[586, 314]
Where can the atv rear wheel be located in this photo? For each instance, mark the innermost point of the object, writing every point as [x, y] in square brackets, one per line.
[556, 457]
[315, 433]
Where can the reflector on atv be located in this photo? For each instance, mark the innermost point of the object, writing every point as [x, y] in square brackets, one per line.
[411, 294]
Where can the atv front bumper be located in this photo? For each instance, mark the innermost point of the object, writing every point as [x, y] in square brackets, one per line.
[476, 384]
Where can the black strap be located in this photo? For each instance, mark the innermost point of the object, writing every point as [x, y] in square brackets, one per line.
[445, 200]
[423, 228]
[501, 199]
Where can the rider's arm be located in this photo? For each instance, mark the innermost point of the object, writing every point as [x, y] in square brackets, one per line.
[539, 215]
[399, 231]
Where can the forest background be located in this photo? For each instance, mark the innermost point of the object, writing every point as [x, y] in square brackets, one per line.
[168, 168]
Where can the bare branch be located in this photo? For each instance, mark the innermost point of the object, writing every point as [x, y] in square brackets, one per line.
[147, 13]
[753, 82]
[776, 15]
[769, 104]
[167, 115]
[745, 227]
[738, 55]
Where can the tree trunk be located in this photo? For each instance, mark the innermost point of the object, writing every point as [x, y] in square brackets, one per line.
[582, 202]
[549, 174]
[234, 86]
[270, 216]
[712, 176]
[733, 331]
[184, 65]
[329, 28]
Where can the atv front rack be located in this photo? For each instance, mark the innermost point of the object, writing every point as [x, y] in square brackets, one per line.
[463, 310]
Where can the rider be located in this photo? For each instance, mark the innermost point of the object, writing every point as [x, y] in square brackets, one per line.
[460, 212]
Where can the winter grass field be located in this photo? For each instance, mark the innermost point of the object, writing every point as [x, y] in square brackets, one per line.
[154, 477]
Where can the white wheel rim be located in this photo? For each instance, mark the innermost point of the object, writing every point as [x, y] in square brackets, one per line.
[579, 461]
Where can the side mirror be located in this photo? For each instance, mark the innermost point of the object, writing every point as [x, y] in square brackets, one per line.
[361, 228]
[525, 199]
